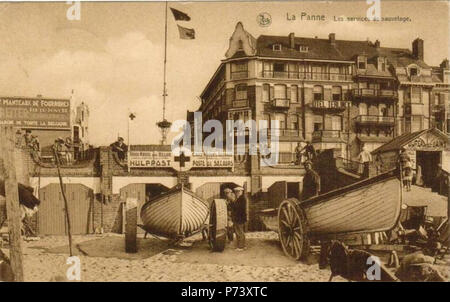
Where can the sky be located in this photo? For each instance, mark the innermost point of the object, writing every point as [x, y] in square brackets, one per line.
[113, 56]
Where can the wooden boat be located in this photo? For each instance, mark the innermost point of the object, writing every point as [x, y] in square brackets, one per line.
[176, 213]
[371, 205]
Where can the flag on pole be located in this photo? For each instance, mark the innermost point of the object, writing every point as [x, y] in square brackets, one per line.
[179, 15]
[186, 33]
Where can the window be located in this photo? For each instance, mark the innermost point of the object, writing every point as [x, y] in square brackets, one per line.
[337, 93]
[413, 72]
[276, 47]
[318, 126]
[362, 62]
[362, 109]
[241, 92]
[279, 67]
[280, 91]
[382, 110]
[240, 45]
[282, 119]
[318, 93]
[302, 48]
[239, 66]
[336, 123]
[294, 93]
[266, 93]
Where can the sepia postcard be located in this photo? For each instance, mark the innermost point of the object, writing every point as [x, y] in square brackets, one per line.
[224, 141]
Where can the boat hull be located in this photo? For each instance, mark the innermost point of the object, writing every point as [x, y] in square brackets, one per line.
[373, 207]
[174, 214]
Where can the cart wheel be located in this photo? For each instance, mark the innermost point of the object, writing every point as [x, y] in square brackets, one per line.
[217, 233]
[293, 229]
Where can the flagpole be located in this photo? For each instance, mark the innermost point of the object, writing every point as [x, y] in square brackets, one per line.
[165, 63]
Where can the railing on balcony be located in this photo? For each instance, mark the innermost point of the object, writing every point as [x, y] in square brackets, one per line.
[286, 132]
[351, 165]
[236, 75]
[306, 75]
[319, 134]
[286, 157]
[375, 92]
[280, 103]
[375, 119]
[330, 104]
[240, 103]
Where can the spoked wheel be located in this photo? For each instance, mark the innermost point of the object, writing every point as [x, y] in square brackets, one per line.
[293, 229]
[217, 231]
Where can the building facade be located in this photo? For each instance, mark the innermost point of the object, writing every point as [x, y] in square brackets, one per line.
[337, 94]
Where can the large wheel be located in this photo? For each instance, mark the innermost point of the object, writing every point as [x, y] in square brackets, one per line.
[218, 219]
[292, 229]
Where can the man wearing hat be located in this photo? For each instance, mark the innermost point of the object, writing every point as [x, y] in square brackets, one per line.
[120, 148]
[311, 182]
[239, 217]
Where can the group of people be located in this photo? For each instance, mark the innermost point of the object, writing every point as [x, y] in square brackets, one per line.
[304, 153]
[64, 150]
[30, 141]
[237, 213]
[406, 167]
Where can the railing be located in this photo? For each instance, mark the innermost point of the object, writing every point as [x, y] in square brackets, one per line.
[286, 132]
[286, 157]
[236, 75]
[319, 134]
[66, 158]
[280, 103]
[375, 119]
[306, 75]
[240, 103]
[375, 92]
[351, 165]
[330, 104]
[438, 108]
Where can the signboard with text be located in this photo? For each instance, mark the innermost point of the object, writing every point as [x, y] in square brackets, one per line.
[35, 113]
[165, 159]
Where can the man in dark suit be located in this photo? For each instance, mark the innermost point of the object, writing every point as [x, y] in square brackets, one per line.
[311, 182]
[120, 148]
[239, 217]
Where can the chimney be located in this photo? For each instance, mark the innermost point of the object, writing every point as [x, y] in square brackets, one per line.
[377, 44]
[332, 38]
[292, 40]
[417, 49]
[445, 64]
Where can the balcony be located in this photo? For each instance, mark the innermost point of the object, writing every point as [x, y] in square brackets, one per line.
[280, 103]
[237, 75]
[375, 120]
[306, 75]
[326, 135]
[338, 105]
[287, 133]
[240, 104]
[381, 93]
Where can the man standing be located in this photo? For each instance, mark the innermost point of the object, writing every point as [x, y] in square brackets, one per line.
[311, 182]
[230, 198]
[365, 158]
[239, 217]
[309, 151]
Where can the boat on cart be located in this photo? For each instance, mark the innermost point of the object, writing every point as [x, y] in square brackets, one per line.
[371, 205]
[180, 213]
[174, 214]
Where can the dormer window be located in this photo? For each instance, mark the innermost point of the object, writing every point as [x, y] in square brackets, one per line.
[276, 47]
[413, 71]
[362, 62]
[302, 48]
[381, 64]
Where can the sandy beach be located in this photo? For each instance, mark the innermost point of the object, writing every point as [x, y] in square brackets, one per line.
[103, 259]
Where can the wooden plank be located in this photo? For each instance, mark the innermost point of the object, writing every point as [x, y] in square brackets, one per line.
[131, 226]
[8, 170]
